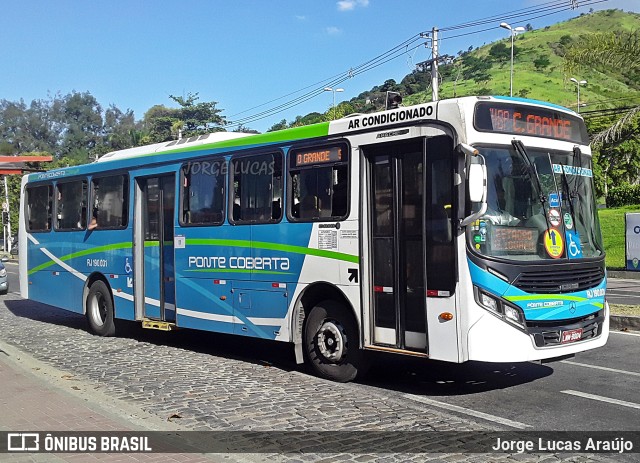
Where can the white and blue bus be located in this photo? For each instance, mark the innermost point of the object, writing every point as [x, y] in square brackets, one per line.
[464, 229]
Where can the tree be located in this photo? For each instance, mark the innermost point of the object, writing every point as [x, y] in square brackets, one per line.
[541, 62]
[28, 128]
[191, 118]
[157, 123]
[475, 68]
[501, 52]
[619, 50]
[81, 116]
[278, 126]
[198, 118]
[120, 129]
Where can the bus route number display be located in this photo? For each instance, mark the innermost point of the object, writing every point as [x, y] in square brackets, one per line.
[516, 240]
[318, 156]
[529, 120]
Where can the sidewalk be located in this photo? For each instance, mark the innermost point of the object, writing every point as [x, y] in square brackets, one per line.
[32, 401]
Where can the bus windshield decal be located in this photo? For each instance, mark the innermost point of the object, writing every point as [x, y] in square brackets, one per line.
[573, 170]
[529, 120]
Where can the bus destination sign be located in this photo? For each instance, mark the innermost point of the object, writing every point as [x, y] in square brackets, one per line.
[529, 120]
[517, 240]
[319, 156]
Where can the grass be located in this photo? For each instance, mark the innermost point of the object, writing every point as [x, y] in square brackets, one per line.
[629, 310]
[613, 234]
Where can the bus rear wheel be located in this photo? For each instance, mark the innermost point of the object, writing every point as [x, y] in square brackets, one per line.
[99, 310]
[331, 343]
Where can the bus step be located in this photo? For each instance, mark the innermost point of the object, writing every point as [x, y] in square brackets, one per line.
[158, 325]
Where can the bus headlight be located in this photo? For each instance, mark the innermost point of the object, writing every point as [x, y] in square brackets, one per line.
[500, 308]
[513, 315]
[490, 303]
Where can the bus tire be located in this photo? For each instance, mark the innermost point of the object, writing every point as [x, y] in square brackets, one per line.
[99, 310]
[331, 342]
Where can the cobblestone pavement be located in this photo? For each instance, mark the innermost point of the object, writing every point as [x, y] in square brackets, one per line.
[184, 379]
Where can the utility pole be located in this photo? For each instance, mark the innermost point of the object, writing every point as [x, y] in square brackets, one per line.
[6, 226]
[433, 62]
[434, 65]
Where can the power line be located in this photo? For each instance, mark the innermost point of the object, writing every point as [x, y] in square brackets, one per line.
[412, 43]
[526, 18]
[606, 112]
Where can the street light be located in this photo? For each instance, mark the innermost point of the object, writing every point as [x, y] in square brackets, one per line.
[578, 84]
[332, 90]
[513, 33]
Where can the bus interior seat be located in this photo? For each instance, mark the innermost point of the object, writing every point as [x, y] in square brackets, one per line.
[309, 207]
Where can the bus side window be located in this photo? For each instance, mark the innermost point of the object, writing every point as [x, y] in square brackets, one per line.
[319, 190]
[109, 202]
[257, 189]
[39, 200]
[71, 205]
[203, 192]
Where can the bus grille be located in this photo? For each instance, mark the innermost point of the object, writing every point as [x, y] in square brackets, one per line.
[544, 334]
[560, 282]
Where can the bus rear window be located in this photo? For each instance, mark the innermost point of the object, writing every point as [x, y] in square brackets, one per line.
[39, 208]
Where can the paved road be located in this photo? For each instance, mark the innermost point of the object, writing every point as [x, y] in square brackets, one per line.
[596, 390]
[203, 381]
[623, 291]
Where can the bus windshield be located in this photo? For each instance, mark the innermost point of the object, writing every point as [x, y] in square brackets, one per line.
[540, 206]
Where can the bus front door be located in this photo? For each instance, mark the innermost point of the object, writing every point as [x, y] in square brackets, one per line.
[155, 274]
[412, 251]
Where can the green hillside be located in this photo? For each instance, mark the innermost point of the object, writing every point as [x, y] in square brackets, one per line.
[538, 69]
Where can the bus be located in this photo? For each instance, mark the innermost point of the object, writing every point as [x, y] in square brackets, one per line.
[458, 230]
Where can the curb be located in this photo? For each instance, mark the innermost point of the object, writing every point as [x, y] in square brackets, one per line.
[627, 275]
[624, 323]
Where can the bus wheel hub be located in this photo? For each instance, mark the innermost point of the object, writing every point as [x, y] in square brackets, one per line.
[332, 341]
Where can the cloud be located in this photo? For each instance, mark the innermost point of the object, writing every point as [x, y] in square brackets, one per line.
[332, 30]
[349, 5]
[301, 17]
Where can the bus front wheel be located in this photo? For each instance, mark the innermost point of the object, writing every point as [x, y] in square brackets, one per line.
[99, 309]
[331, 342]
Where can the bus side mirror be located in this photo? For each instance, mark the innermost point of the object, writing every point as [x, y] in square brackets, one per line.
[477, 183]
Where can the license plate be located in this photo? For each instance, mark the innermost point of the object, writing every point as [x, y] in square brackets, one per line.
[571, 336]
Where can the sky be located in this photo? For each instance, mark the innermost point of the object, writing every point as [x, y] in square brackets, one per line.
[249, 56]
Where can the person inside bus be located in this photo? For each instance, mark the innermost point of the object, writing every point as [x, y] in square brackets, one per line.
[93, 224]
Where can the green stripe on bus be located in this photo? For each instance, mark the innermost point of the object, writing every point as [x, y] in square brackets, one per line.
[546, 296]
[86, 252]
[274, 247]
[289, 135]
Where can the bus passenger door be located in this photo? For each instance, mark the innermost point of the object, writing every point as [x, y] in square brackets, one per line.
[154, 255]
[412, 253]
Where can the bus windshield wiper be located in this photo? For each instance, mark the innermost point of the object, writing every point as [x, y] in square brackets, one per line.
[571, 195]
[518, 146]
[576, 154]
[533, 171]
